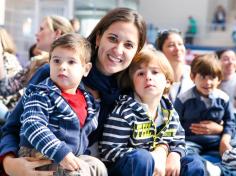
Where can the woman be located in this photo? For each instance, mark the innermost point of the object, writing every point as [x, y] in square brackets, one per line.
[227, 59]
[51, 28]
[11, 66]
[115, 41]
[171, 43]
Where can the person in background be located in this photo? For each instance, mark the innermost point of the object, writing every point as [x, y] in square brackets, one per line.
[143, 135]
[51, 28]
[75, 24]
[227, 59]
[115, 40]
[10, 66]
[206, 102]
[171, 43]
[219, 18]
[191, 31]
[69, 104]
[228, 163]
[34, 51]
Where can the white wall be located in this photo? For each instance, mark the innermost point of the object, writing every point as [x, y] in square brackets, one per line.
[174, 13]
[166, 14]
[2, 12]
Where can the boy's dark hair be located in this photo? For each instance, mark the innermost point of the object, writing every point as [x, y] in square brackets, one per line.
[206, 65]
[76, 42]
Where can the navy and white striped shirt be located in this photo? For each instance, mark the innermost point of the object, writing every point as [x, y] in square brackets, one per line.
[51, 126]
[128, 127]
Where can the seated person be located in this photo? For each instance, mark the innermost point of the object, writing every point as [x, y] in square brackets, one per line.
[59, 115]
[143, 135]
[205, 102]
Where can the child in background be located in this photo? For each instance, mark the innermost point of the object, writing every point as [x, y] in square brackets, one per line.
[59, 113]
[143, 135]
[205, 102]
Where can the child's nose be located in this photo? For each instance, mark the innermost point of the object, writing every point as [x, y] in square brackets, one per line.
[148, 76]
[63, 66]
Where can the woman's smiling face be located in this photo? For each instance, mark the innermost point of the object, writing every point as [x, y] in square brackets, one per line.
[116, 47]
[174, 48]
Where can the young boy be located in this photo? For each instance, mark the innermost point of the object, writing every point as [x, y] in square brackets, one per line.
[143, 135]
[59, 113]
[205, 102]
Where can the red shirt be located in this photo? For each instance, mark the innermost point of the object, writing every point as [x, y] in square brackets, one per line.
[79, 105]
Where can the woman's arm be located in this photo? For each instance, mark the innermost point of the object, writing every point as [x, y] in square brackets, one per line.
[9, 142]
[9, 146]
[11, 85]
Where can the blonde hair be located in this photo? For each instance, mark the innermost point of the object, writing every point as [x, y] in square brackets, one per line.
[59, 23]
[146, 56]
[7, 42]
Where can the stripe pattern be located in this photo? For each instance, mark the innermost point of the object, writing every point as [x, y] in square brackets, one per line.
[51, 126]
[128, 127]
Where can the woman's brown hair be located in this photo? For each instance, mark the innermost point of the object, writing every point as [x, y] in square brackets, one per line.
[117, 15]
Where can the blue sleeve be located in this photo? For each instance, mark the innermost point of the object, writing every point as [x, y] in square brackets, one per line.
[11, 129]
[179, 107]
[36, 128]
[229, 120]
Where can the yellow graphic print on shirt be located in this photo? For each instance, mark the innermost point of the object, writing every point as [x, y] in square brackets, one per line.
[145, 130]
[170, 132]
[142, 130]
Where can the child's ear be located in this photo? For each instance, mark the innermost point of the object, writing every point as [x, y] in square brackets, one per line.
[192, 76]
[168, 84]
[87, 68]
[58, 33]
[219, 81]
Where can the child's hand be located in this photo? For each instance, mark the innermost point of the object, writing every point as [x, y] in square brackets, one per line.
[225, 143]
[70, 162]
[173, 164]
[159, 155]
[206, 127]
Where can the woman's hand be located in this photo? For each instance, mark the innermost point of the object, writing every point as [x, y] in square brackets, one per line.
[173, 164]
[25, 166]
[206, 127]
